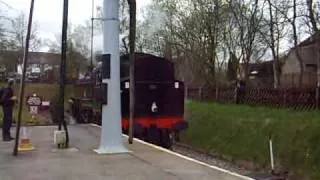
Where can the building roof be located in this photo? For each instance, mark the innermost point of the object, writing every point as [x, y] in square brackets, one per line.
[310, 40]
[307, 50]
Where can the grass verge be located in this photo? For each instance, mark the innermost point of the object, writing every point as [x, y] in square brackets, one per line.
[241, 132]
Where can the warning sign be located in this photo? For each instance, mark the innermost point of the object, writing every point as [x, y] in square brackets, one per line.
[34, 101]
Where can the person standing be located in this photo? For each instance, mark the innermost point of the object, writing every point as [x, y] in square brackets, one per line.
[7, 101]
[240, 92]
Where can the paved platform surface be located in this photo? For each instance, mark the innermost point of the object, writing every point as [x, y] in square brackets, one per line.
[80, 162]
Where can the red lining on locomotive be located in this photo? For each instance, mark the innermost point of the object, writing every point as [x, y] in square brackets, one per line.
[160, 122]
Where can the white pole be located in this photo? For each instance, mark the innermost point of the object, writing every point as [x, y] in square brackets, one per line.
[111, 135]
[271, 154]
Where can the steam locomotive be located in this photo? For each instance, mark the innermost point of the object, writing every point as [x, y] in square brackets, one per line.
[159, 99]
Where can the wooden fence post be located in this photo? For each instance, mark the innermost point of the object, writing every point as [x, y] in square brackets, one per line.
[285, 98]
[200, 93]
[317, 97]
[237, 95]
[292, 80]
[259, 97]
[217, 94]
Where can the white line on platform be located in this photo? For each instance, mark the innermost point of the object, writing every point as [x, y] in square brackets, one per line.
[187, 158]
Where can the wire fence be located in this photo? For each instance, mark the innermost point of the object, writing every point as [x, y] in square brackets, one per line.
[295, 98]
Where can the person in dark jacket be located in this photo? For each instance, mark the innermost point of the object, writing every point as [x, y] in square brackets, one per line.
[7, 100]
[240, 94]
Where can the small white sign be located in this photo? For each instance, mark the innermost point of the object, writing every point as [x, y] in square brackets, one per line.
[45, 103]
[127, 85]
[34, 110]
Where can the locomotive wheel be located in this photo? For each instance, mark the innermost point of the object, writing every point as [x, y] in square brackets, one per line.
[167, 139]
[145, 134]
[86, 116]
[176, 136]
[153, 135]
[160, 137]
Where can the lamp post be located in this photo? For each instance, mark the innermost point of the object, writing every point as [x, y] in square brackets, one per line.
[25, 61]
[91, 48]
[63, 70]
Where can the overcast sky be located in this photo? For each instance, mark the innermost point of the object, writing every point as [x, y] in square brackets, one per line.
[48, 13]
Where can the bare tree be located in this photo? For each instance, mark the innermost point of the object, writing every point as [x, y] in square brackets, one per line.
[80, 36]
[274, 42]
[203, 34]
[17, 34]
[3, 39]
[12, 36]
[283, 8]
[76, 59]
[295, 39]
[248, 19]
[312, 15]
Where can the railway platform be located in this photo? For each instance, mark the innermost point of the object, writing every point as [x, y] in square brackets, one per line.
[80, 162]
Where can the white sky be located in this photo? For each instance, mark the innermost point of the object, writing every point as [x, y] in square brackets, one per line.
[48, 13]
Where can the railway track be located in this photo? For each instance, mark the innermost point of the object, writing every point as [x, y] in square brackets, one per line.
[209, 158]
[218, 161]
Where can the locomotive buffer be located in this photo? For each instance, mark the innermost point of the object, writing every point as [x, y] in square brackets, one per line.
[111, 135]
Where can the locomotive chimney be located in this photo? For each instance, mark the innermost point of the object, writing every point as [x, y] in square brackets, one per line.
[111, 135]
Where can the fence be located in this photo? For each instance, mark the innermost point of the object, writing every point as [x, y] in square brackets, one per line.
[299, 99]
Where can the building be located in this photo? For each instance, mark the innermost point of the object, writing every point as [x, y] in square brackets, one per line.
[291, 67]
[260, 74]
[41, 65]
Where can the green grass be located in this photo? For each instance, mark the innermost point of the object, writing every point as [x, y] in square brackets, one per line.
[242, 132]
